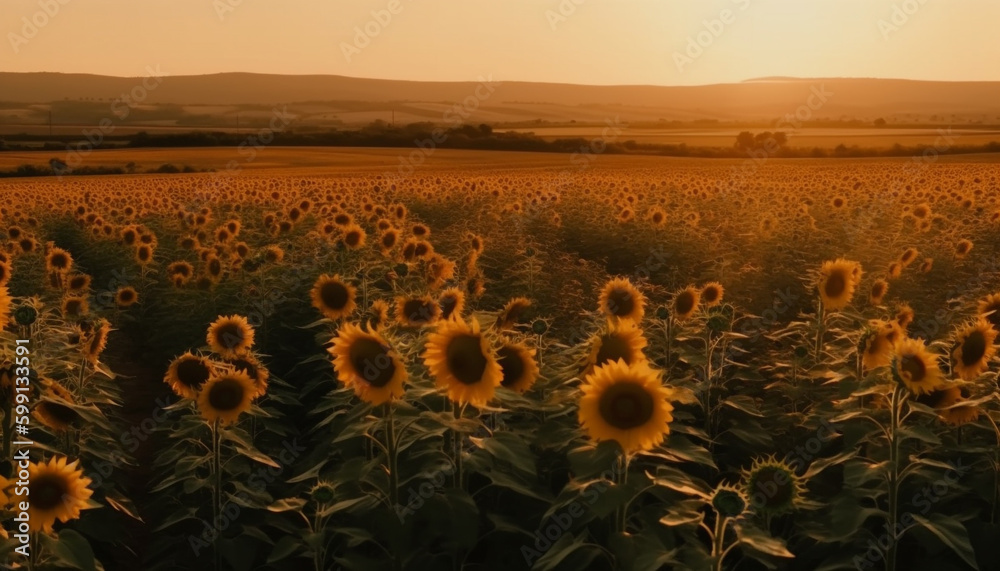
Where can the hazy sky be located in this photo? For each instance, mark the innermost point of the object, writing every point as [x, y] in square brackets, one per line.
[664, 42]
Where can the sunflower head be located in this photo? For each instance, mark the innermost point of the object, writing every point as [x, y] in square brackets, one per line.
[55, 410]
[949, 402]
[622, 300]
[225, 396]
[417, 311]
[518, 365]
[366, 362]
[459, 357]
[989, 309]
[254, 369]
[729, 501]
[974, 348]
[58, 491]
[512, 313]
[837, 281]
[711, 294]
[619, 341]
[333, 297]
[916, 367]
[187, 374]
[451, 302]
[772, 486]
[230, 336]
[626, 403]
[878, 291]
[877, 344]
[685, 303]
[126, 297]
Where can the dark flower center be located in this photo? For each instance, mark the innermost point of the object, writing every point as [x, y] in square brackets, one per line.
[626, 405]
[465, 359]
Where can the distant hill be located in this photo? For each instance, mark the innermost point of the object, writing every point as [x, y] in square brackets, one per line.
[360, 100]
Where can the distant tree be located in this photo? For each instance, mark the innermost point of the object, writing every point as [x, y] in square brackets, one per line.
[781, 138]
[486, 129]
[745, 140]
[880, 122]
[58, 166]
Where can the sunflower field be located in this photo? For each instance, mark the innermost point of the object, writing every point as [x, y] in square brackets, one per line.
[635, 369]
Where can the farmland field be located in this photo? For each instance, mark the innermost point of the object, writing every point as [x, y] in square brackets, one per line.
[505, 361]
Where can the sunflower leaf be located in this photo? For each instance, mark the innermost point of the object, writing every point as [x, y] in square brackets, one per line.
[951, 532]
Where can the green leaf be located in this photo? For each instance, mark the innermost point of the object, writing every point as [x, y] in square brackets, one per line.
[287, 504]
[951, 532]
[285, 547]
[74, 549]
[761, 542]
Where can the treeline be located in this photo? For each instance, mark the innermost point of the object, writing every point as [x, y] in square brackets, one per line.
[482, 137]
[37, 171]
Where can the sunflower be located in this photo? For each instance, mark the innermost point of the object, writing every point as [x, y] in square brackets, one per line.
[59, 416]
[126, 297]
[97, 340]
[878, 343]
[711, 294]
[417, 311]
[620, 341]
[254, 369]
[144, 254]
[353, 237]
[333, 297]
[773, 487]
[729, 501]
[908, 256]
[58, 261]
[186, 375]
[58, 491]
[511, 313]
[989, 309]
[367, 363]
[626, 403]
[451, 302]
[76, 282]
[927, 265]
[904, 316]
[963, 248]
[225, 396]
[916, 367]
[948, 402]
[622, 300]
[75, 306]
[273, 254]
[459, 358]
[378, 314]
[974, 347]
[878, 291]
[180, 272]
[685, 303]
[518, 365]
[230, 336]
[837, 280]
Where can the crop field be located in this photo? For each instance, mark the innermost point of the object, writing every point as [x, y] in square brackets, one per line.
[324, 362]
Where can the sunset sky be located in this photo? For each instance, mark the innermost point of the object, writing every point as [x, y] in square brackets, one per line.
[597, 42]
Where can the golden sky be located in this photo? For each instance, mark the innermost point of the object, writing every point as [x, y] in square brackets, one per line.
[659, 42]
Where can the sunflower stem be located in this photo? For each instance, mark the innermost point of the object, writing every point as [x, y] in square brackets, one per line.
[391, 449]
[895, 406]
[718, 540]
[216, 491]
[820, 329]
